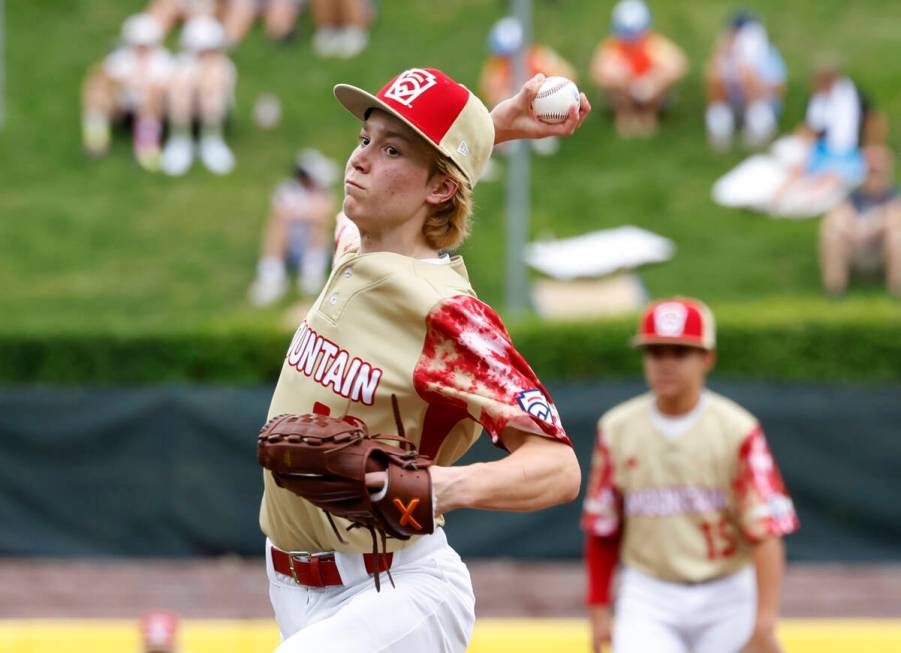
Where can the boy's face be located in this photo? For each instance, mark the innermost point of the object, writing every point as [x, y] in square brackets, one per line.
[672, 371]
[387, 177]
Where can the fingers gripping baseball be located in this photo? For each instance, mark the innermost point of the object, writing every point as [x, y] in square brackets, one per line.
[516, 118]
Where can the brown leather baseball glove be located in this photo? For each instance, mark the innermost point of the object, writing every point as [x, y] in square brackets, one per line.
[325, 460]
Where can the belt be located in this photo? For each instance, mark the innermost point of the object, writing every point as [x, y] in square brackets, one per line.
[320, 569]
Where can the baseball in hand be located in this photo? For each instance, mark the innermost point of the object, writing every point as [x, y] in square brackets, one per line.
[556, 97]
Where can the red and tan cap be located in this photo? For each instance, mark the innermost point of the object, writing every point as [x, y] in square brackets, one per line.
[444, 112]
[677, 321]
[159, 630]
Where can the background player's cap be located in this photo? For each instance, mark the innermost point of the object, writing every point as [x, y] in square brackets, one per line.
[158, 630]
[444, 112]
[677, 321]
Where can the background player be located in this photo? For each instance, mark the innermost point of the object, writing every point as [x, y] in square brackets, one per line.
[398, 319]
[685, 492]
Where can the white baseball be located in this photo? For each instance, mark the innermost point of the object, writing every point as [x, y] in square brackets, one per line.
[556, 97]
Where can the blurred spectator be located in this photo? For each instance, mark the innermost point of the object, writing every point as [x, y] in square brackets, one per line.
[279, 18]
[636, 67]
[297, 230]
[129, 87]
[832, 133]
[864, 232]
[341, 27]
[496, 82]
[202, 92]
[170, 12]
[745, 84]
[159, 632]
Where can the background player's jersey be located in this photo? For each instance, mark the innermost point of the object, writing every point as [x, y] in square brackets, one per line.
[687, 506]
[385, 325]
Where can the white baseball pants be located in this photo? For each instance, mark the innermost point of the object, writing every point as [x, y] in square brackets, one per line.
[431, 609]
[655, 615]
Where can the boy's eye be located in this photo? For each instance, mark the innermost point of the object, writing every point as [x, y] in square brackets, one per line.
[364, 140]
[391, 150]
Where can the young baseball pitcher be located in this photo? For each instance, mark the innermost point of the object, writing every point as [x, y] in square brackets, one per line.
[685, 494]
[397, 343]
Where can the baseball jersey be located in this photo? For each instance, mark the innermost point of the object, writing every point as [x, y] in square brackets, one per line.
[387, 324]
[688, 507]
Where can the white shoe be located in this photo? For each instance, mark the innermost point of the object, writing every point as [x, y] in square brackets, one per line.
[326, 42]
[216, 156]
[177, 156]
[351, 41]
[267, 290]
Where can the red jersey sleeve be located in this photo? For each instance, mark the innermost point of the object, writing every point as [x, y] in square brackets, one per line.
[764, 507]
[469, 367]
[602, 508]
[601, 558]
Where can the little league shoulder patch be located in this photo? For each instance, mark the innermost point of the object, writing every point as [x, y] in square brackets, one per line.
[537, 405]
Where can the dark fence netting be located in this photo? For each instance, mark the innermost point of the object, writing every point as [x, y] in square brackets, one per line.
[171, 471]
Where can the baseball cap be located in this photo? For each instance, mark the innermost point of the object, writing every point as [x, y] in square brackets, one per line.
[442, 111]
[158, 630]
[677, 321]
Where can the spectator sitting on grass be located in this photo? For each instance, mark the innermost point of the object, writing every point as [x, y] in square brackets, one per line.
[297, 230]
[833, 131]
[636, 67]
[202, 91]
[128, 87]
[745, 84]
[496, 82]
[864, 232]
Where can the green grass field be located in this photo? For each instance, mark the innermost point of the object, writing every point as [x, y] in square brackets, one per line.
[104, 246]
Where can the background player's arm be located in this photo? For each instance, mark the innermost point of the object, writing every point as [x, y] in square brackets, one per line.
[539, 472]
[513, 118]
[769, 562]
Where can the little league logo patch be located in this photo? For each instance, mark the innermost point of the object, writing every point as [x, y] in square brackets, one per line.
[536, 404]
[410, 85]
[669, 319]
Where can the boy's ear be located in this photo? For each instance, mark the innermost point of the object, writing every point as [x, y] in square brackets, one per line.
[441, 189]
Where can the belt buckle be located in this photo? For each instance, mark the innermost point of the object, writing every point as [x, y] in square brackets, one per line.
[305, 557]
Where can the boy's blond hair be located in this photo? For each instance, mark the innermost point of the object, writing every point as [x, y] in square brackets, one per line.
[448, 225]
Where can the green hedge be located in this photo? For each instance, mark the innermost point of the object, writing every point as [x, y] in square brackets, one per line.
[750, 346]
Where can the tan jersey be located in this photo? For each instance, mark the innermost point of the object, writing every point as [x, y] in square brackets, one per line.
[688, 507]
[385, 325]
